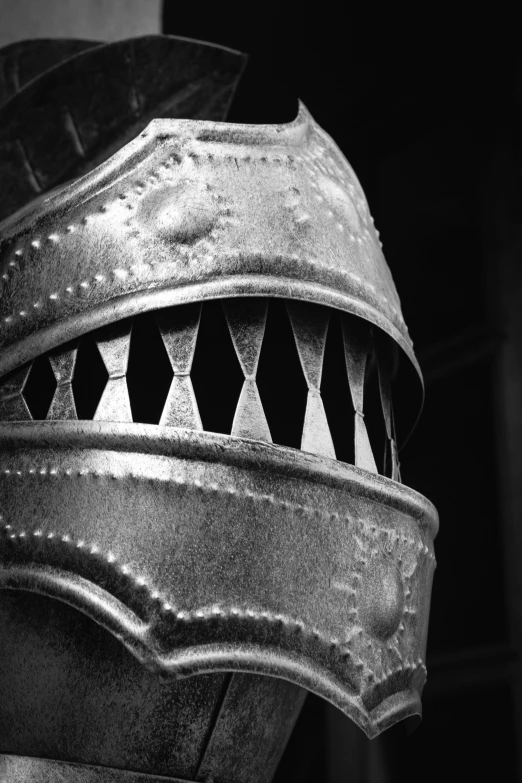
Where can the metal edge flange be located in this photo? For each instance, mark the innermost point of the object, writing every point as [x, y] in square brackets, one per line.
[216, 553]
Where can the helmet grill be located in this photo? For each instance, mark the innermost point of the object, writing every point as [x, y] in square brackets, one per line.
[296, 374]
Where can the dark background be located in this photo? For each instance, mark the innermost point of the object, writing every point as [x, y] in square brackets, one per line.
[428, 113]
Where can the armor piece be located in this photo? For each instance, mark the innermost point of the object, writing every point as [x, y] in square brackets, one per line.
[207, 538]
[203, 211]
[67, 105]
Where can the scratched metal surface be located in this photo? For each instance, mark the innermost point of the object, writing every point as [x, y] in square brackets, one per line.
[71, 691]
[24, 769]
[135, 556]
[203, 210]
[66, 106]
[219, 553]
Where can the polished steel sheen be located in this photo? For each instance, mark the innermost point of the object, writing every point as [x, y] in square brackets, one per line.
[204, 552]
[190, 211]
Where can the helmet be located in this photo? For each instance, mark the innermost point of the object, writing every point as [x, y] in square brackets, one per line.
[202, 360]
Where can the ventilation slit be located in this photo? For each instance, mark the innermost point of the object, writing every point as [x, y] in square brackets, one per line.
[90, 378]
[291, 373]
[216, 373]
[149, 373]
[40, 387]
[373, 415]
[335, 392]
[280, 380]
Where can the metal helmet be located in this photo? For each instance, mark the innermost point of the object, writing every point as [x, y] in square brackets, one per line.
[195, 531]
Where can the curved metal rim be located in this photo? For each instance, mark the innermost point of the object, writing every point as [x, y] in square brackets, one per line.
[141, 301]
[136, 303]
[141, 634]
[202, 130]
[226, 449]
[103, 608]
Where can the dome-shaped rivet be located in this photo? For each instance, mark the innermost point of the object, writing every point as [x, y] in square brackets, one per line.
[381, 599]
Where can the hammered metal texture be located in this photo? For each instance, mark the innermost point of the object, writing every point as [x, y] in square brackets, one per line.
[25, 769]
[246, 320]
[63, 361]
[190, 211]
[310, 327]
[220, 553]
[179, 330]
[177, 527]
[113, 344]
[166, 726]
[13, 406]
[271, 706]
[72, 104]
